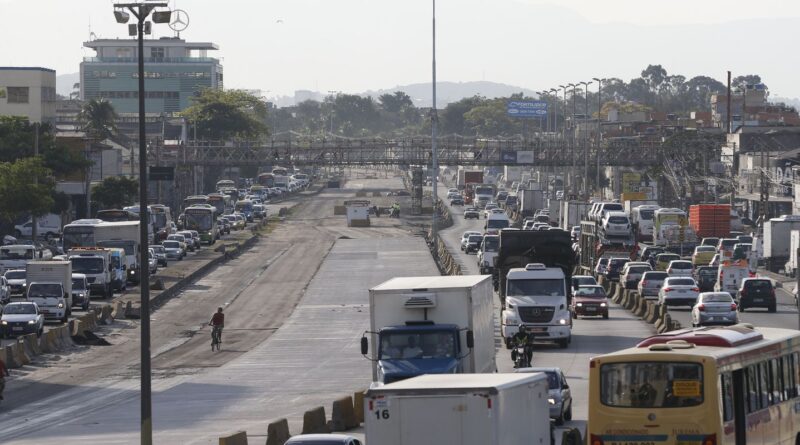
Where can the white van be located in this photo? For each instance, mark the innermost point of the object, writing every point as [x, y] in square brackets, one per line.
[642, 221]
[496, 222]
[48, 227]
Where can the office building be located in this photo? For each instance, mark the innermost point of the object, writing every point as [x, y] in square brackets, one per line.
[28, 92]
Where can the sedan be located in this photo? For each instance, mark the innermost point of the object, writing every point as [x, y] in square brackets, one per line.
[20, 318]
[457, 201]
[589, 301]
[714, 308]
[650, 284]
[632, 273]
[471, 213]
[559, 396]
[161, 255]
[465, 238]
[189, 239]
[184, 245]
[473, 243]
[680, 268]
[582, 280]
[678, 291]
[174, 250]
[16, 281]
[323, 439]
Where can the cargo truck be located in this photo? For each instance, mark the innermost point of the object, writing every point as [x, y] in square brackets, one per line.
[49, 285]
[594, 246]
[97, 233]
[469, 177]
[710, 220]
[790, 269]
[572, 213]
[530, 201]
[531, 275]
[776, 241]
[95, 263]
[672, 231]
[477, 409]
[430, 325]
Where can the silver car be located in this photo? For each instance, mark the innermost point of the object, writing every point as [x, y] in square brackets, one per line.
[323, 439]
[20, 318]
[632, 273]
[650, 284]
[559, 395]
[678, 291]
[714, 308]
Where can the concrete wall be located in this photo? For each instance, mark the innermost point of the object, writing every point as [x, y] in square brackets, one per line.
[41, 84]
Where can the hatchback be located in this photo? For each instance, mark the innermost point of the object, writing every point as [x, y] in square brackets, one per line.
[650, 283]
[616, 223]
[706, 277]
[680, 268]
[465, 238]
[20, 318]
[678, 291]
[473, 243]
[559, 395]
[582, 280]
[663, 260]
[589, 301]
[756, 292]
[714, 308]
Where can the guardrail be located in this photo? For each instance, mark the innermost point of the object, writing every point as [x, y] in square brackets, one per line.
[649, 311]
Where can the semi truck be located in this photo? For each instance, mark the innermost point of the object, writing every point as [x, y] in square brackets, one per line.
[594, 246]
[430, 325]
[478, 409]
[777, 241]
[49, 285]
[95, 263]
[532, 273]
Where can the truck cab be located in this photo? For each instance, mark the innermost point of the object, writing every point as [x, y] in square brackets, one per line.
[537, 297]
[95, 264]
[131, 249]
[419, 348]
[487, 252]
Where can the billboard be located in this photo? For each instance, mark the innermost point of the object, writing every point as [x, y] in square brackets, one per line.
[526, 108]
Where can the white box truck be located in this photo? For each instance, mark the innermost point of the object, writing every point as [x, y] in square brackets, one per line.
[430, 325]
[49, 285]
[474, 409]
[123, 235]
[794, 243]
[95, 263]
[776, 241]
[572, 213]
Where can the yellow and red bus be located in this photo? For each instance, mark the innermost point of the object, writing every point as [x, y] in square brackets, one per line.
[732, 385]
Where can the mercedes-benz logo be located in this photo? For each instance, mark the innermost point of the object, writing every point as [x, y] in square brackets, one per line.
[180, 20]
[536, 311]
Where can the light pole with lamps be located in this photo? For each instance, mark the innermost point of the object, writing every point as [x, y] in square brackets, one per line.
[333, 93]
[597, 138]
[434, 130]
[141, 11]
[586, 141]
[573, 186]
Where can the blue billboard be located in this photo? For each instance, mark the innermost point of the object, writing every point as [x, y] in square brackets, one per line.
[526, 108]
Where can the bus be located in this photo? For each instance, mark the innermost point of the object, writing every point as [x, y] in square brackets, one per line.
[203, 219]
[259, 190]
[225, 184]
[194, 200]
[116, 215]
[280, 171]
[161, 216]
[222, 203]
[732, 385]
[245, 207]
[266, 179]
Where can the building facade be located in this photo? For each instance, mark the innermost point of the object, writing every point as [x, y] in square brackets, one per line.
[174, 71]
[28, 92]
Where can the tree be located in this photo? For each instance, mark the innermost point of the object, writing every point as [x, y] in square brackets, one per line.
[99, 119]
[116, 192]
[739, 82]
[452, 119]
[491, 119]
[20, 194]
[227, 114]
[395, 103]
[17, 137]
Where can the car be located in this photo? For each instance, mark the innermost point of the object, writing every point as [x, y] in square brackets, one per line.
[185, 247]
[473, 243]
[191, 241]
[680, 268]
[174, 249]
[710, 241]
[161, 255]
[663, 260]
[632, 273]
[703, 254]
[528, 225]
[487, 210]
[16, 281]
[741, 251]
[650, 284]
[224, 225]
[453, 190]
[706, 277]
[678, 291]
[575, 232]
[152, 261]
[590, 301]
[600, 267]
[81, 292]
[714, 308]
[714, 261]
[559, 194]
[5, 291]
[756, 292]
[259, 211]
[559, 396]
[540, 226]
[471, 213]
[20, 318]
[323, 439]
[465, 238]
[239, 221]
[614, 267]
[457, 201]
[616, 224]
[582, 280]
[745, 239]
[453, 194]
[196, 238]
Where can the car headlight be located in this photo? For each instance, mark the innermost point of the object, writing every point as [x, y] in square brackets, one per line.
[60, 305]
[551, 401]
[4, 322]
[562, 321]
[133, 272]
[603, 305]
[24, 284]
[31, 322]
[579, 304]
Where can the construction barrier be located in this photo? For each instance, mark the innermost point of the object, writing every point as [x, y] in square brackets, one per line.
[238, 438]
[20, 357]
[278, 432]
[358, 406]
[8, 357]
[31, 342]
[314, 421]
[343, 417]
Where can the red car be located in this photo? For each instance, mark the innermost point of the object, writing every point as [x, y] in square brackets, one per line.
[589, 301]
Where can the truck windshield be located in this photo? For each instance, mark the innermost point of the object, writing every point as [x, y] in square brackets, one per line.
[45, 290]
[646, 215]
[15, 275]
[491, 243]
[419, 345]
[87, 265]
[122, 244]
[651, 385]
[549, 287]
[16, 253]
[497, 223]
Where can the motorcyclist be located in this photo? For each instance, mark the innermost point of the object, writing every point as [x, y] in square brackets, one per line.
[523, 339]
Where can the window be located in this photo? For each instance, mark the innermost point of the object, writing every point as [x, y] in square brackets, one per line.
[157, 52]
[752, 391]
[651, 385]
[776, 381]
[17, 95]
[726, 386]
[763, 377]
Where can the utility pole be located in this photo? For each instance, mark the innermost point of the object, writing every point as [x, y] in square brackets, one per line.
[34, 218]
[599, 130]
[728, 120]
[434, 131]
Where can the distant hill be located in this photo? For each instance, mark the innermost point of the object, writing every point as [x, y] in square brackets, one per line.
[64, 83]
[447, 92]
[792, 102]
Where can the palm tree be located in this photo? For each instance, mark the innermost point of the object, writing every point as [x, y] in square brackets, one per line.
[99, 119]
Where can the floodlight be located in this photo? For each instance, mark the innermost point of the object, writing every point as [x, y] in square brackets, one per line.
[121, 16]
[162, 16]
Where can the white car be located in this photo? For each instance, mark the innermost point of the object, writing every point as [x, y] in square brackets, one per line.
[20, 318]
[616, 224]
[680, 268]
[465, 238]
[488, 209]
[678, 291]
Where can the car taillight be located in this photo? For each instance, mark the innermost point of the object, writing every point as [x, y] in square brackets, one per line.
[701, 307]
[668, 289]
[733, 306]
[696, 289]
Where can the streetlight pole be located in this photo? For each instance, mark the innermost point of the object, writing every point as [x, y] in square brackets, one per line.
[586, 140]
[555, 109]
[597, 139]
[573, 186]
[141, 11]
[434, 130]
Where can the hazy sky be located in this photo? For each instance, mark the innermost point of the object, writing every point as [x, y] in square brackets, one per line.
[355, 45]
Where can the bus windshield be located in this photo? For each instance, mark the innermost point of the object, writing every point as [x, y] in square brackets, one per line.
[198, 220]
[651, 385]
[122, 244]
[78, 237]
[497, 223]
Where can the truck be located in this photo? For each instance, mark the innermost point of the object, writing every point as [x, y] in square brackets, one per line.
[468, 177]
[710, 220]
[776, 241]
[15, 256]
[572, 213]
[97, 233]
[594, 246]
[96, 264]
[790, 269]
[477, 409]
[430, 325]
[512, 173]
[49, 285]
[487, 252]
[484, 194]
[671, 230]
[631, 204]
[531, 275]
[642, 218]
[731, 274]
[530, 201]
[48, 226]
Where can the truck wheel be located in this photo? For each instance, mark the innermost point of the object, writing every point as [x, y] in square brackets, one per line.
[773, 308]
[563, 343]
[568, 414]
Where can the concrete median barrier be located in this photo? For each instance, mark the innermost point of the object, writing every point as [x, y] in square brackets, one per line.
[343, 417]
[604, 283]
[31, 342]
[571, 436]
[314, 421]
[358, 406]
[20, 357]
[278, 432]
[131, 311]
[612, 289]
[65, 337]
[8, 357]
[666, 324]
[105, 315]
[48, 341]
[641, 304]
[118, 311]
[237, 438]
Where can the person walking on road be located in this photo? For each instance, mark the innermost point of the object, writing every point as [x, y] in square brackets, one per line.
[217, 323]
[3, 373]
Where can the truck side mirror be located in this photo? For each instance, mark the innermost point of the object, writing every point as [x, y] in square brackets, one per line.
[470, 339]
[364, 346]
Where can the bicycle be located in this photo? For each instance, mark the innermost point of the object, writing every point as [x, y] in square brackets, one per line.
[216, 337]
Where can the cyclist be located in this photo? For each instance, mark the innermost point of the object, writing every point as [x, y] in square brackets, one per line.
[217, 323]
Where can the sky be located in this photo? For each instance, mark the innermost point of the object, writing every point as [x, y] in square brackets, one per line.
[279, 46]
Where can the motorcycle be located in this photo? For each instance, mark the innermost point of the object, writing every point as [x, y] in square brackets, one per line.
[522, 349]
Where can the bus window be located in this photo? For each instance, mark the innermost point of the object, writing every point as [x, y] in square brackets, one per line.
[651, 385]
[726, 387]
[763, 376]
[776, 381]
[751, 379]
